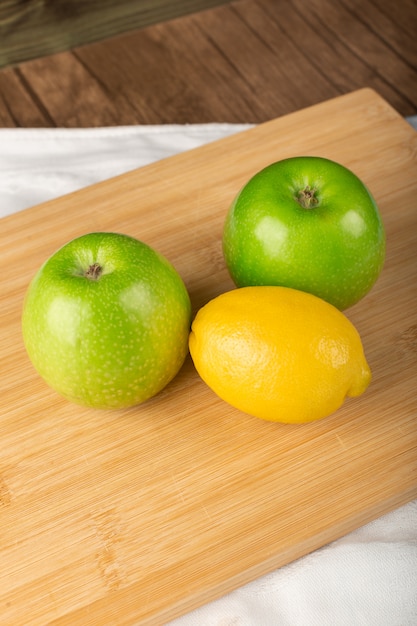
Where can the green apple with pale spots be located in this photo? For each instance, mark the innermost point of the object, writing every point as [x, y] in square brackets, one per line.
[106, 321]
[308, 223]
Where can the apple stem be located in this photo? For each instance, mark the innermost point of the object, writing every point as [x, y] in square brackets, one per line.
[307, 197]
[94, 271]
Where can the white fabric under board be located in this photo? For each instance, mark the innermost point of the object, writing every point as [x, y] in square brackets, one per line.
[368, 577]
[39, 165]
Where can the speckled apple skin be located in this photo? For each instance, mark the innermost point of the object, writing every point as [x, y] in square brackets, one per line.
[335, 250]
[113, 342]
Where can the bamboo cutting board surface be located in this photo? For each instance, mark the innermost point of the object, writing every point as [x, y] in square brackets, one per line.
[141, 515]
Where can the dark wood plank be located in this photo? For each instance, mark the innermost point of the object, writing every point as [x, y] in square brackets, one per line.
[176, 72]
[71, 95]
[171, 73]
[398, 22]
[269, 57]
[244, 61]
[19, 105]
[345, 45]
[33, 28]
[353, 25]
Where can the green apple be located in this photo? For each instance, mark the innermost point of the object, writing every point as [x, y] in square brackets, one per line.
[308, 223]
[106, 321]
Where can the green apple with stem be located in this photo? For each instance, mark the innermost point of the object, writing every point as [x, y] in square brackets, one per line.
[308, 223]
[106, 321]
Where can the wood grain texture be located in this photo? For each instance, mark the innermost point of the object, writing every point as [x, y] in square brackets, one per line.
[244, 61]
[35, 28]
[140, 515]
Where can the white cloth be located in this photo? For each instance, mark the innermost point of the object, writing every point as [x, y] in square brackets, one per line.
[38, 165]
[367, 578]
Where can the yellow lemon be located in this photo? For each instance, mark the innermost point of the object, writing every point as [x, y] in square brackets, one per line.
[278, 353]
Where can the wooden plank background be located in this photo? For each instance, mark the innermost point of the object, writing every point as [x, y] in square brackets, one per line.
[244, 61]
[34, 28]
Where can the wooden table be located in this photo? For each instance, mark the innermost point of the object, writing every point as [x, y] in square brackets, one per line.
[245, 61]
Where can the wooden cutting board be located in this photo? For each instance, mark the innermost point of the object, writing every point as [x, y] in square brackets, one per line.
[141, 515]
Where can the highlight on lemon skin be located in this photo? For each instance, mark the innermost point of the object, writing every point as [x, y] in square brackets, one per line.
[278, 354]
